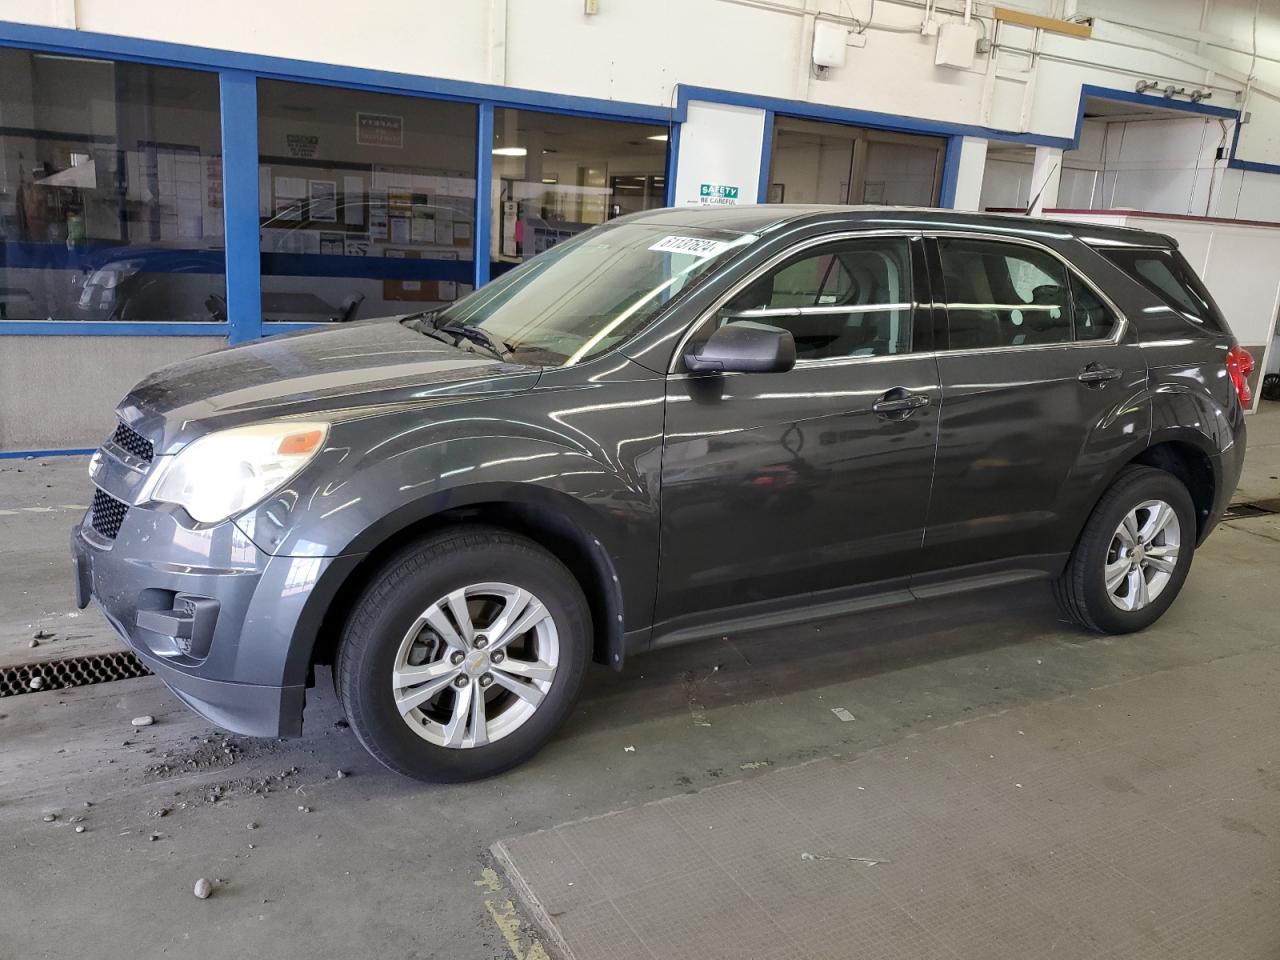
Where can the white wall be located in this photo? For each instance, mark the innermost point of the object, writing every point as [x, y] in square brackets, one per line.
[972, 164]
[1165, 166]
[1160, 166]
[80, 379]
[712, 151]
[639, 50]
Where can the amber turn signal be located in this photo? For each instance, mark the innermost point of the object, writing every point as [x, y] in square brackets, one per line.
[296, 444]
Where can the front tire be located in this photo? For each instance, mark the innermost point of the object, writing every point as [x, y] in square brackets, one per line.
[1133, 555]
[463, 655]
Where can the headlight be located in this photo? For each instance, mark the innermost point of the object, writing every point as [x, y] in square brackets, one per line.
[225, 473]
[114, 274]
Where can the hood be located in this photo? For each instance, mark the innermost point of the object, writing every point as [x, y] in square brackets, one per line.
[370, 363]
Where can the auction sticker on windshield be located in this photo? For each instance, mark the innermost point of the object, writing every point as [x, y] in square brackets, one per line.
[695, 246]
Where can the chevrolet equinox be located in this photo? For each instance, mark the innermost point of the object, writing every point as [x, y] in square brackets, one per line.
[679, 424]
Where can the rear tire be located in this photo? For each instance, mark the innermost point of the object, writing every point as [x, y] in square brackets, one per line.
[1133, 554]
[434, 684]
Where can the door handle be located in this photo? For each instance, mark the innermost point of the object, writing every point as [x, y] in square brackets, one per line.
[898, 404]
[1096, 375]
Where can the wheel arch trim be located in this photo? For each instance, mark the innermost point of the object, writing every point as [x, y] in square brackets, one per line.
[526, 509]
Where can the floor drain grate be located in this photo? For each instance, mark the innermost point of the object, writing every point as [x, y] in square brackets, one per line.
[1259, 508]
[70, 672]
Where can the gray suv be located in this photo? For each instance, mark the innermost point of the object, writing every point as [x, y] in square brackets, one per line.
[681, 424]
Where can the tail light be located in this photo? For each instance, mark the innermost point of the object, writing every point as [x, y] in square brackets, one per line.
[1239, 366]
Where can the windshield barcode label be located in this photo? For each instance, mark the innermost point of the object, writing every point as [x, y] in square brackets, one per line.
[694, 246]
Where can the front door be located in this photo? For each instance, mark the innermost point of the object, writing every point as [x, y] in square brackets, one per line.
[1039, 388]
[815, 481]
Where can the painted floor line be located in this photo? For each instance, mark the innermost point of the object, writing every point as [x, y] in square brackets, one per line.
[507, 919]
[59, 508]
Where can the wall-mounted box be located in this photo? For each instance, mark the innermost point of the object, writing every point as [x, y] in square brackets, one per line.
[829, 43]
[957, 44]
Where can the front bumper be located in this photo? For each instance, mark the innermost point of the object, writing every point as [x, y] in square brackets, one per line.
[207, 611]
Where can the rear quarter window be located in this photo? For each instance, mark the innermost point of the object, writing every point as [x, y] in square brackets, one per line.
[1167, 274]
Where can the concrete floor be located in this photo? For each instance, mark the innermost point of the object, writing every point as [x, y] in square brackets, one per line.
[1066, 794]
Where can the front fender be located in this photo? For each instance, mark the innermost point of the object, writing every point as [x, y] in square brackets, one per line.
[592, 462]
[599, 448]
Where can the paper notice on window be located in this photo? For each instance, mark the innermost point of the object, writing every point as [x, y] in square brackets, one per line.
[422, 228]
[377, 215]
[694, 246]
[291, 195]
[353, 201]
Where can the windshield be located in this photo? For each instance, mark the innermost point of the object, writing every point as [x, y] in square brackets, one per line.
[588, 294]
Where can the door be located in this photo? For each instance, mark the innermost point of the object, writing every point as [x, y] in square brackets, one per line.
[813, 162]
[814, 481]
[1039, 388]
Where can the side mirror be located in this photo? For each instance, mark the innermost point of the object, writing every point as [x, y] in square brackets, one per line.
[745, 347]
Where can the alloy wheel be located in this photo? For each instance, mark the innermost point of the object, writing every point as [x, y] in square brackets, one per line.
[1143, 555]
[475, 665]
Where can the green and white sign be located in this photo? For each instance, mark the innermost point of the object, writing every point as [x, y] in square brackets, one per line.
[714, 193]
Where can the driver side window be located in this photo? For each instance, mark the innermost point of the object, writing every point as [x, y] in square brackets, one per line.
[848, 298]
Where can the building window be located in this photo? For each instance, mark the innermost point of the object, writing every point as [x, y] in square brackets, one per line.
[813, 162]
[555, 176]
[366, 202]
[110, 191]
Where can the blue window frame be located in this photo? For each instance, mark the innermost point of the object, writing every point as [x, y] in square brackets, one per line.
[233, 307]
[110, 193]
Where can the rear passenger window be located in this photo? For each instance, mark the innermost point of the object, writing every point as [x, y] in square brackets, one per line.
[1166, 274]
[1003, 294]
[848, 298]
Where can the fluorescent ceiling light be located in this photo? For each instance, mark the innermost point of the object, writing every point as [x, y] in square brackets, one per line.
[660, 137]
[510, 152]
[550, 180]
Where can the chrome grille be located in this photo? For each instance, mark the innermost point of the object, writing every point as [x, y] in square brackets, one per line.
[135, 443]
[108, 513]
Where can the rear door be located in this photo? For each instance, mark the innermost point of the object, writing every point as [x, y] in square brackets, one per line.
[1041, 393]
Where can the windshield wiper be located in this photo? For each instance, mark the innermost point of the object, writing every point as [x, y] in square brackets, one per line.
[429, 324]
[499, 348]
[422, 322]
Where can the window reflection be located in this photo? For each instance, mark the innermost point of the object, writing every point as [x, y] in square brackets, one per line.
[366, 202]
[110, 191]
[554, 176]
